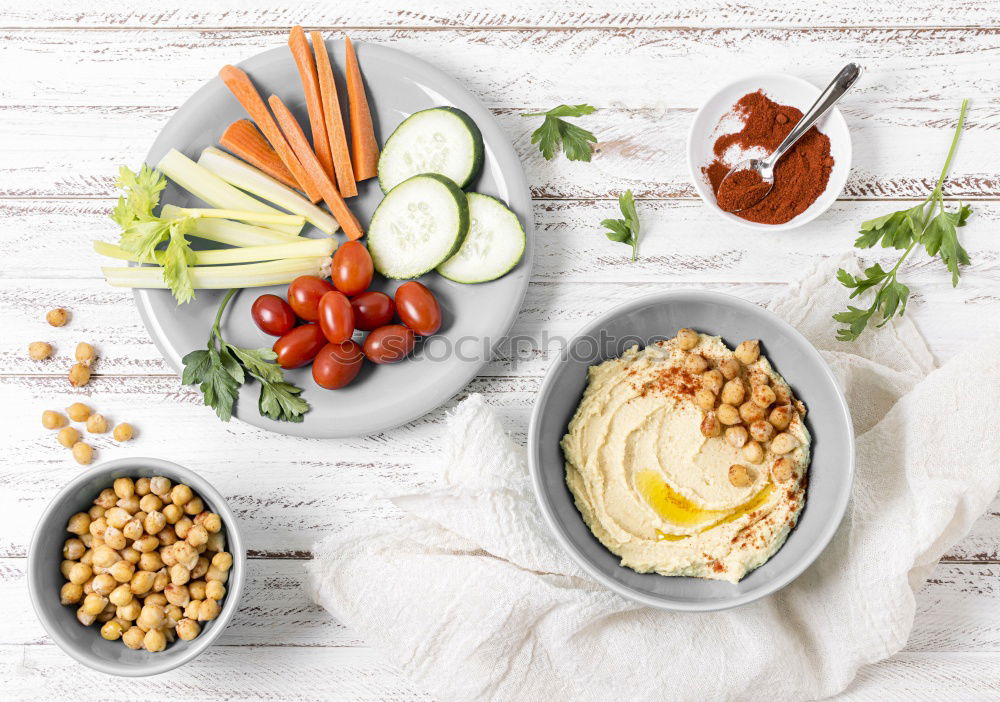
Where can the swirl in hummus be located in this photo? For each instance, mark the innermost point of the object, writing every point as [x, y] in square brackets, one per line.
[688, 458]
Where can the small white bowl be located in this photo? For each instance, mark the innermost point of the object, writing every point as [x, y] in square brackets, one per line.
[785, 90]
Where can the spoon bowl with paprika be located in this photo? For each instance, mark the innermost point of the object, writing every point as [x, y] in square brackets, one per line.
[755, 161]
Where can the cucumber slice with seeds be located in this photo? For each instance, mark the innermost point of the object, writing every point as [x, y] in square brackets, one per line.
[419, 224]
[493, 246]
[441, 140]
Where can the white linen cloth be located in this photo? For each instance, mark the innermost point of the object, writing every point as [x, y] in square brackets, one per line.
[473, 599]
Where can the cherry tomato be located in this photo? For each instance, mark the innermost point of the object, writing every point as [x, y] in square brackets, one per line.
[418, 308]
[336, 365]
[336, 317]
[352, 268]
[304, 293]
[372, 309]
[390, 343]
[299, 346]
[272, 315]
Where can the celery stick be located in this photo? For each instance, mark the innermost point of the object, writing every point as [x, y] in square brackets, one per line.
[247, 254]
[253, 180]
[225, 231]
[207, 186]
[261, 218]
[247, 275]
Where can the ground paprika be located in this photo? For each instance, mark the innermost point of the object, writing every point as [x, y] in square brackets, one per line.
[800, 176]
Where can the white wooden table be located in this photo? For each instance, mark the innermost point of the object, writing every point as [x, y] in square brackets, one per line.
[84, 90]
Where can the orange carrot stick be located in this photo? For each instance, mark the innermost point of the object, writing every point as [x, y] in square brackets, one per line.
[334, 120]
[239, 83]
[364, 147]
[297, 138]
[243, 139]
[299, 45]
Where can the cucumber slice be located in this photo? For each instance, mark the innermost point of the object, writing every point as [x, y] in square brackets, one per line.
[420, 223]
[441, 140]
[494, 244]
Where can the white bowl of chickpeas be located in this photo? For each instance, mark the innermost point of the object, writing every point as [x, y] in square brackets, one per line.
[136, 567]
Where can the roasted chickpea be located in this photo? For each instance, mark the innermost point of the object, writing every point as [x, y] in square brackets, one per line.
[200, 568]
[733, 392]
[146, 543]
[112, 630]
[94, 603]
[78, 524]
[712, 380]
[78, 412]
[80, 573]
[215, 590]
[103, 584]
[105, 556]
[185, 554]
[762, 396]
[196, 589]
[167, 536]
[142, 582]
[216, 574]
[130, 611]
[131, 555]
[172, 614]
[96, 512]
[133, 529]
[710, 426]
[133, 638]
[85, 353]
[729, 367]
[739, 475]
[784, 443]
[83, 453]
[129, 504]
[85, 618]
[151, 561]
[687, 339]
[68, 436]
[79, 375]
[160, 581]
[107, 499]
[756, 376]
[177, 594]
[194, 506]
[70, 593]
[150, 503]
[142, 486]
[150, 617]
[117, 517]
[39, 350]
[761, 430]
[65, 566]
[123, 432]
[728, 414]
[73, 549]
[53, 420]
[156, 598]
[114, 538]
[216, 541]
[694, 363]
[781, 470]
[120, 596]
[781, 417]
[208, 610]
[197, 536]
[751, 412]
[154, 641]
[188, 629]
[57, 317]
[160, 486]
[736, 436]
[222, 560]
[748, 351]
[753, 452]
[179, 574]
[781, 394]
[97, 526]
[182, 527]
[173, 513]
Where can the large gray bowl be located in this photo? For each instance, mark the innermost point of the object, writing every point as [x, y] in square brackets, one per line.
[84, 643]
[656, 317]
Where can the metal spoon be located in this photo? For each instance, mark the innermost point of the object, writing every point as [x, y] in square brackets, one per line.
[847, 77]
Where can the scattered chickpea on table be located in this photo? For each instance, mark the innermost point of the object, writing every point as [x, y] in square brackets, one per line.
[147, 562]
[94, 423]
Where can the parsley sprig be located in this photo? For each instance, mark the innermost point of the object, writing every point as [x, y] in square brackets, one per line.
[143, 232]
[928, 225]
[557, 134]
[222, 368]
[625, 231]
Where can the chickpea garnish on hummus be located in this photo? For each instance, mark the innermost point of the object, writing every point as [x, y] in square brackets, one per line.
[688, 457]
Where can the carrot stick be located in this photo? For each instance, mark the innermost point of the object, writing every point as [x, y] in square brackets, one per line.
[299, 45]
[364, 147]
[243, 139]
[334, 120]
[297, 138]
[239, 83]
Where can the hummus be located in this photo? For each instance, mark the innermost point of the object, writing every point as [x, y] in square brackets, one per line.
[658, 489]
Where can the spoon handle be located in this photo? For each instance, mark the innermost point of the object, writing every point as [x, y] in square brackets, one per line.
[847, 77]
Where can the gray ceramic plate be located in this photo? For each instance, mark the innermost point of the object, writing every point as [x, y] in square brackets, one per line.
[658, 317]
[476, 317]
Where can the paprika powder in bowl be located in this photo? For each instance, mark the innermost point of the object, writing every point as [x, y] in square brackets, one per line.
[748, 119]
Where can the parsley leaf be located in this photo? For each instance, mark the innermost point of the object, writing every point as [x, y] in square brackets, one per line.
[625, 231]
[904, 230]
[220, 369]
[142, 231]
[557, 134]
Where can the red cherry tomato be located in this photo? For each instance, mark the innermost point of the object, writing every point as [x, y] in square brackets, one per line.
[352, 269]
[389, 344]
[336, 317]
[272, 315]
[418, 308]
[336, 365]
[304, 293]
[299, 346]
[372, 309]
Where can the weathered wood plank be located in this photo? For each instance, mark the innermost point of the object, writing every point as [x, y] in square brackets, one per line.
[512, 13]
[957, 610]
[75, 151]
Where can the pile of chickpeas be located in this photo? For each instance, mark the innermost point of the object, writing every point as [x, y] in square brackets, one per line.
[147, 562]
[741, 398]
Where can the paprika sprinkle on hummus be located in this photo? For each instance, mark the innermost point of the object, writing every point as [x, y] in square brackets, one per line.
[800, 176]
